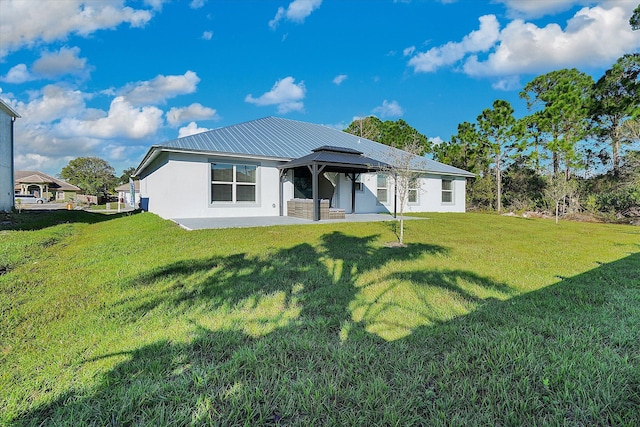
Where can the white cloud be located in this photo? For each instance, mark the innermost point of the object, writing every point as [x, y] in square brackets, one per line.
[408, 51]
[337, 126]
[158, 90]
[436, 140]
[191, 129]
[122, 120]
[31, 161]
[593, 37]
[339, 79]
[508, 83]
[64, 61]
[207, 35]
[285, 93]
[17, 74]
[50, 65]
[297, 11]
[50, 104]
[58, 125]
[156, 4]
[389, 109]
[24, 23]
[195, 111]
[197, 4]
[538, 8]
[476, 41]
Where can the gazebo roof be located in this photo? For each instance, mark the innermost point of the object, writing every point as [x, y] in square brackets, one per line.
[337, 159]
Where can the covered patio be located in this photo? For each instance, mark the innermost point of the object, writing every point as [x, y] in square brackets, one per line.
[328, 159]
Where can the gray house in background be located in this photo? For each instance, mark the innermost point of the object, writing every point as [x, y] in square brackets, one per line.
[7, 117]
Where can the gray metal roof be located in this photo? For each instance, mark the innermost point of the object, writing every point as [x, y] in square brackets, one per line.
[337, 159]
[286, 139]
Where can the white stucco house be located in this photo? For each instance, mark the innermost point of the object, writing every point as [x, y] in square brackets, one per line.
[260, 167]
[42, 185]
[125, 195]
[7, 119]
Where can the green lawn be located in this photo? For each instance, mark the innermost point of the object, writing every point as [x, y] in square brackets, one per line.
[481, 320]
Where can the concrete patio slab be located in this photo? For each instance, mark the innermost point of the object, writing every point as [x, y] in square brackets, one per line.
[266, 221]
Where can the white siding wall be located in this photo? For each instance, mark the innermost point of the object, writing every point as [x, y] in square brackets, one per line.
[429, 197]
[179, 186]
[6, 162]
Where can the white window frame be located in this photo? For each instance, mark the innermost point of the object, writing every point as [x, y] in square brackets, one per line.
[359, 183]
[413, 188]
[234, 183]
[385, 188]
[450, 191]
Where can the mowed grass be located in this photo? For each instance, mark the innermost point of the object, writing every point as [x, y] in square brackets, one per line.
[480, 320]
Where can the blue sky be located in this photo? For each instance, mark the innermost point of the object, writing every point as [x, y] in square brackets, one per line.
[110, 78]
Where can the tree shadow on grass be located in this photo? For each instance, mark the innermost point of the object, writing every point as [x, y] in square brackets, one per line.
[31, 220]
[394, 305]
[301, 282]
[563, 355]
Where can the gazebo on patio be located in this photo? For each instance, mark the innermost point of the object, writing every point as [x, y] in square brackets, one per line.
[331, 159]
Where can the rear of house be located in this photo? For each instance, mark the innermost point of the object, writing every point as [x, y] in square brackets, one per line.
[250, 169]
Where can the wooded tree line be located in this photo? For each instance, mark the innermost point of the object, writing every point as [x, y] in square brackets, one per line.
[576, 149]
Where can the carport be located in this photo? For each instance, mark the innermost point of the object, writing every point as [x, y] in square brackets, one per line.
[331, 159]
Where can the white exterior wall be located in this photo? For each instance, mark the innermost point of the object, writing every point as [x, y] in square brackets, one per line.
[429, 195]
[6, 161]
[179, 186]
[126, 196]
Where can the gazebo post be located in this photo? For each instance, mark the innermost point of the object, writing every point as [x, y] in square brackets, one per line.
[353, 192]
[314, 191]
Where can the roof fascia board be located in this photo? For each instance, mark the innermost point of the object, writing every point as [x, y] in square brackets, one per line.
[155, 151]
[222, 154]
[4, 106]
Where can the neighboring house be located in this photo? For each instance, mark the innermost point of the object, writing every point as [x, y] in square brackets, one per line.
[42, 185]
[124, 193]
[7, 118]
[256, 168]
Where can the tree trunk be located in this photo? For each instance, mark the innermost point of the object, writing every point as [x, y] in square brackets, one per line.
[401, 229]
[557, 206]
[615, 148]
[499, 182]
